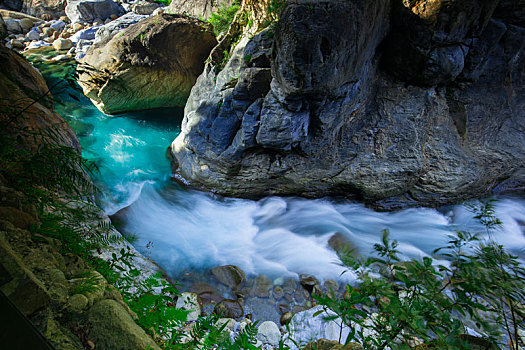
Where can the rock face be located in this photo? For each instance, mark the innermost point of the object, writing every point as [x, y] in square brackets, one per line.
[51, 8]
[428, 109]
[91, 10]
[151, 64]
[197, 8]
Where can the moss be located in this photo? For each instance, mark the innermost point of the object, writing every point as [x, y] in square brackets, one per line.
[17, 217]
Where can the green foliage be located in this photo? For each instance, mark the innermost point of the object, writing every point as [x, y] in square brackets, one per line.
[275, 7]
[163, 2]
[420, 301]
[222, 19]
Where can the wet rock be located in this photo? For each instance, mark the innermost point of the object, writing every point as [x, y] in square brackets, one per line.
[143, 55]
[229, 275]
[331, 285]
[112, 327]
[277, 292]
[262, 286]
[289, 285]
[189, 301]
[286, 318]
[268, 333]
[207, 293]
[341, 244]
[26, 24]
[229, 308]
[308, 282]
[91, 10]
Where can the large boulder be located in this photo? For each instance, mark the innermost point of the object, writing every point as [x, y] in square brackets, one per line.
[151, 64]
[314, 107]
[90, 10]
[197, 8]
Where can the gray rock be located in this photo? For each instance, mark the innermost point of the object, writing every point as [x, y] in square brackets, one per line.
[303, 325]
[268, 333]
[165, 53]
[13, 26]
[37, 44]
[85, 34]
[33, 35]
[229, 308]
[339, 118]
[145, 7]
[112, 28]
[62, 44]
[229, 275]
[90, 10]
[58, 25]
[190, 302]
[197, 8]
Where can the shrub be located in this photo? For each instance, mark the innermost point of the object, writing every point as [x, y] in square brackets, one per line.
[419, 301]
[222, 19]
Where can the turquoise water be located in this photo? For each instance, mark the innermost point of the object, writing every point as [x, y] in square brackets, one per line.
[184, 229]
[129, 149]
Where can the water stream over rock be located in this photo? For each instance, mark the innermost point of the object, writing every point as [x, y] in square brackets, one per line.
[188, 232]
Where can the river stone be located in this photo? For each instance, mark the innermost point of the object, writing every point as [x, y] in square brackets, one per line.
[229, 308]
[91, 10]
[229, 275]
[13, 26]
[164, 52]
[308, 282]
[277, 292]
[331, 285]
[61, 44]
[145, 7]
[341, 244]
[268, 333]
[112, 327]
[26, 24]
[33, 35]
[262, 286]
[207, 293]
[116, 26]
[286, 317]
[304, 324]
[189, 301]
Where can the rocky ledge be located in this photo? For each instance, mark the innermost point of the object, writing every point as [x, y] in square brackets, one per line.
[395, 103]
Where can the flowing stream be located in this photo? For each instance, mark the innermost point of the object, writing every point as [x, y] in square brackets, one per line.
[186, 230]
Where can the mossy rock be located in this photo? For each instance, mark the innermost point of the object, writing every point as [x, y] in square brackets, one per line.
[17, 217]
[325, 344]
[113, 328]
